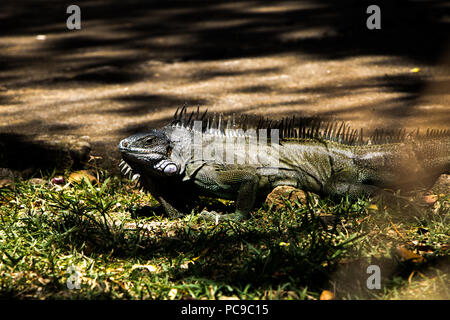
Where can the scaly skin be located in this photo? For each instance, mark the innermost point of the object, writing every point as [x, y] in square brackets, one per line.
[165, 162]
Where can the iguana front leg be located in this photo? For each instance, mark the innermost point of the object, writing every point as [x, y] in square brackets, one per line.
[228, 182]
[161, 192]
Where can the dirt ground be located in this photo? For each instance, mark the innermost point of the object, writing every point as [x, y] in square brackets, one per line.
[134, 62]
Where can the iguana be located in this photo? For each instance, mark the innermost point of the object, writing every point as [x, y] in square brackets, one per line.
[242, 160]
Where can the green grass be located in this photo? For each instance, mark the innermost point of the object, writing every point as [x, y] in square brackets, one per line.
[293, 253]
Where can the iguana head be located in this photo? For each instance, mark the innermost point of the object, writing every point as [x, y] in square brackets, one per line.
[148, 154]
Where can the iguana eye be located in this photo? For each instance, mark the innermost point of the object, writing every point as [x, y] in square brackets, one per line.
[149, 139]
[169, 151]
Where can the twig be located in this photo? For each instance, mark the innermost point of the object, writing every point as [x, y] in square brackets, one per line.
[396, 230]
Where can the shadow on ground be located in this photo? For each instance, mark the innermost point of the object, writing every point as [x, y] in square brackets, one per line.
[227, 257]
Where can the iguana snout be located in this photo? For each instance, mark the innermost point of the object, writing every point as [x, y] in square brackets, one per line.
[147, 151]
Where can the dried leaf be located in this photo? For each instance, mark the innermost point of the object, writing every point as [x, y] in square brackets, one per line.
[78, 176]
[6, 182]
[409, 255]
[172, 293]
[430, 199]
[326, 295]
[228, 298]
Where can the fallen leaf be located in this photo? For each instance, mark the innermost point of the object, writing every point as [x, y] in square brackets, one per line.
[148, 267]
[6, 182]
[172, 293]
[409, 255]
[430, 199]
[228, 298]
[326, 295]
[78, 176]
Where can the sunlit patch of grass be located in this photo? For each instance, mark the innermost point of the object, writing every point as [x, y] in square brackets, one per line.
[50, 234]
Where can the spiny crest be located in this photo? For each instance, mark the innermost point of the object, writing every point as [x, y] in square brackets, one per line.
[292, 128]
[383, 136]
[181, 119]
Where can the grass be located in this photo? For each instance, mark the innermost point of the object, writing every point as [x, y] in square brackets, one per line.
[99, 236]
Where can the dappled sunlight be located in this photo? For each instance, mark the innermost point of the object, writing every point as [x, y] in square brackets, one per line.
[132, 65]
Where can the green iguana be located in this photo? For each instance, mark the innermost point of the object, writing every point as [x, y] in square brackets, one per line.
[234, 159]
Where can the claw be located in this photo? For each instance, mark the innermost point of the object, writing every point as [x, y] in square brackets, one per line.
[123, 165]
